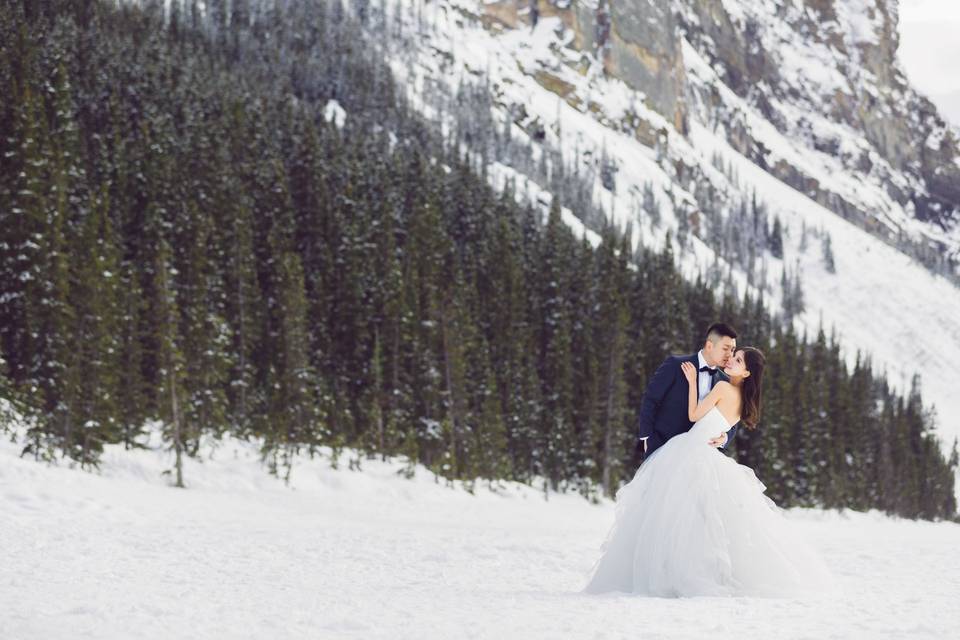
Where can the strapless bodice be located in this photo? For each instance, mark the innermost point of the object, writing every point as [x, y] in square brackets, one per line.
[710, 425]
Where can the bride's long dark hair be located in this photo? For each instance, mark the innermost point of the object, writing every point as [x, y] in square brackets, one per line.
[752, 384]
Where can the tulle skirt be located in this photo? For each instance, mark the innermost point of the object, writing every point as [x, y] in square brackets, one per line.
[693, 522]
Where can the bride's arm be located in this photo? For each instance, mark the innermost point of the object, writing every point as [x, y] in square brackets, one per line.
[696, 411]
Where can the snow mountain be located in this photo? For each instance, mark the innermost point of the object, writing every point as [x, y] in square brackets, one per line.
[777, 143]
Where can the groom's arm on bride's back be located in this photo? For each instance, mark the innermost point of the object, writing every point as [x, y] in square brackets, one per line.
[663, 378]
[730, 436]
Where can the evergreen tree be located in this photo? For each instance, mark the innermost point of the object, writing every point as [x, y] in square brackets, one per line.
[424, 256]
[775, 239]
[613, 319]
[130, 400]
[206, 336]
[455, 335]
[242, 308]
[95, 298]
[293, 405]
[555, 350]
[510, 337]
[828, 261]
[170, 359]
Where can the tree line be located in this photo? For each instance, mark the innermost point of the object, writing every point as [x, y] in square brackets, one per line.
[185, 236]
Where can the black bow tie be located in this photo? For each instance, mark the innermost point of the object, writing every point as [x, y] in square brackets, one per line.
[708, 370]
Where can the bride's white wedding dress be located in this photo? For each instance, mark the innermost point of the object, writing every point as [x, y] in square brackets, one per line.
[693, 522]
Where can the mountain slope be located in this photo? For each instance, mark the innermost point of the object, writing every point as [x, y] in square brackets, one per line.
[825, 74]
[550, 91]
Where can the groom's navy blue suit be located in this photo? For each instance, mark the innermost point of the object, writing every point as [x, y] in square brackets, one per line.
[664, 408]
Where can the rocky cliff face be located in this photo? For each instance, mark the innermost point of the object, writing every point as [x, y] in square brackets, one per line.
[843, 73]
[644, 51]
[809, 90]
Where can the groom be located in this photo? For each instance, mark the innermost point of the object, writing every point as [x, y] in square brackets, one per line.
[663, 410]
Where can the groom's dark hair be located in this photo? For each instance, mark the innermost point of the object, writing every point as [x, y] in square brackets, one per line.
[720, 330]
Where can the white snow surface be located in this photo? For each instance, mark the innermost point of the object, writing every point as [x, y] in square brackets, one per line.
[343, 554]
[334, 113]
[879, 301]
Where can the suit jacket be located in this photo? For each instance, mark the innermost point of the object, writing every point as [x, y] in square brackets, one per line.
[664, 408]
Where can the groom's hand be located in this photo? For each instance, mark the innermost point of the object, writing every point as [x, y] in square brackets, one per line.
[718, 442]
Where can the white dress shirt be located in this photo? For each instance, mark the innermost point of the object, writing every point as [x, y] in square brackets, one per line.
[703, 380]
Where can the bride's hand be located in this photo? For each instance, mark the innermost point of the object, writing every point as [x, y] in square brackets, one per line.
[689, 371]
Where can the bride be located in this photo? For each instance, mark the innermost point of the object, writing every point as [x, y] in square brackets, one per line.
[693, 522]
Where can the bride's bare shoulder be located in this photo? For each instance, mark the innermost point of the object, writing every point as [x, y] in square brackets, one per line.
[725, 387]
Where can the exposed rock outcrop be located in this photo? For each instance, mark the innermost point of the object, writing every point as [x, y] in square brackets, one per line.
[823, 73]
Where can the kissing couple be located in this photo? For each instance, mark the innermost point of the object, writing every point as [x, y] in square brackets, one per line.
[692, 521]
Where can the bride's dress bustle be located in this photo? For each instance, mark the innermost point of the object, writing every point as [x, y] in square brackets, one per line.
[693, 522]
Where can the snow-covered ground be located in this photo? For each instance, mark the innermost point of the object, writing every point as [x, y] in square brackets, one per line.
[347, 554]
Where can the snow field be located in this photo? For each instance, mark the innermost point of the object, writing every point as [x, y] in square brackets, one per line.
[370, 554]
